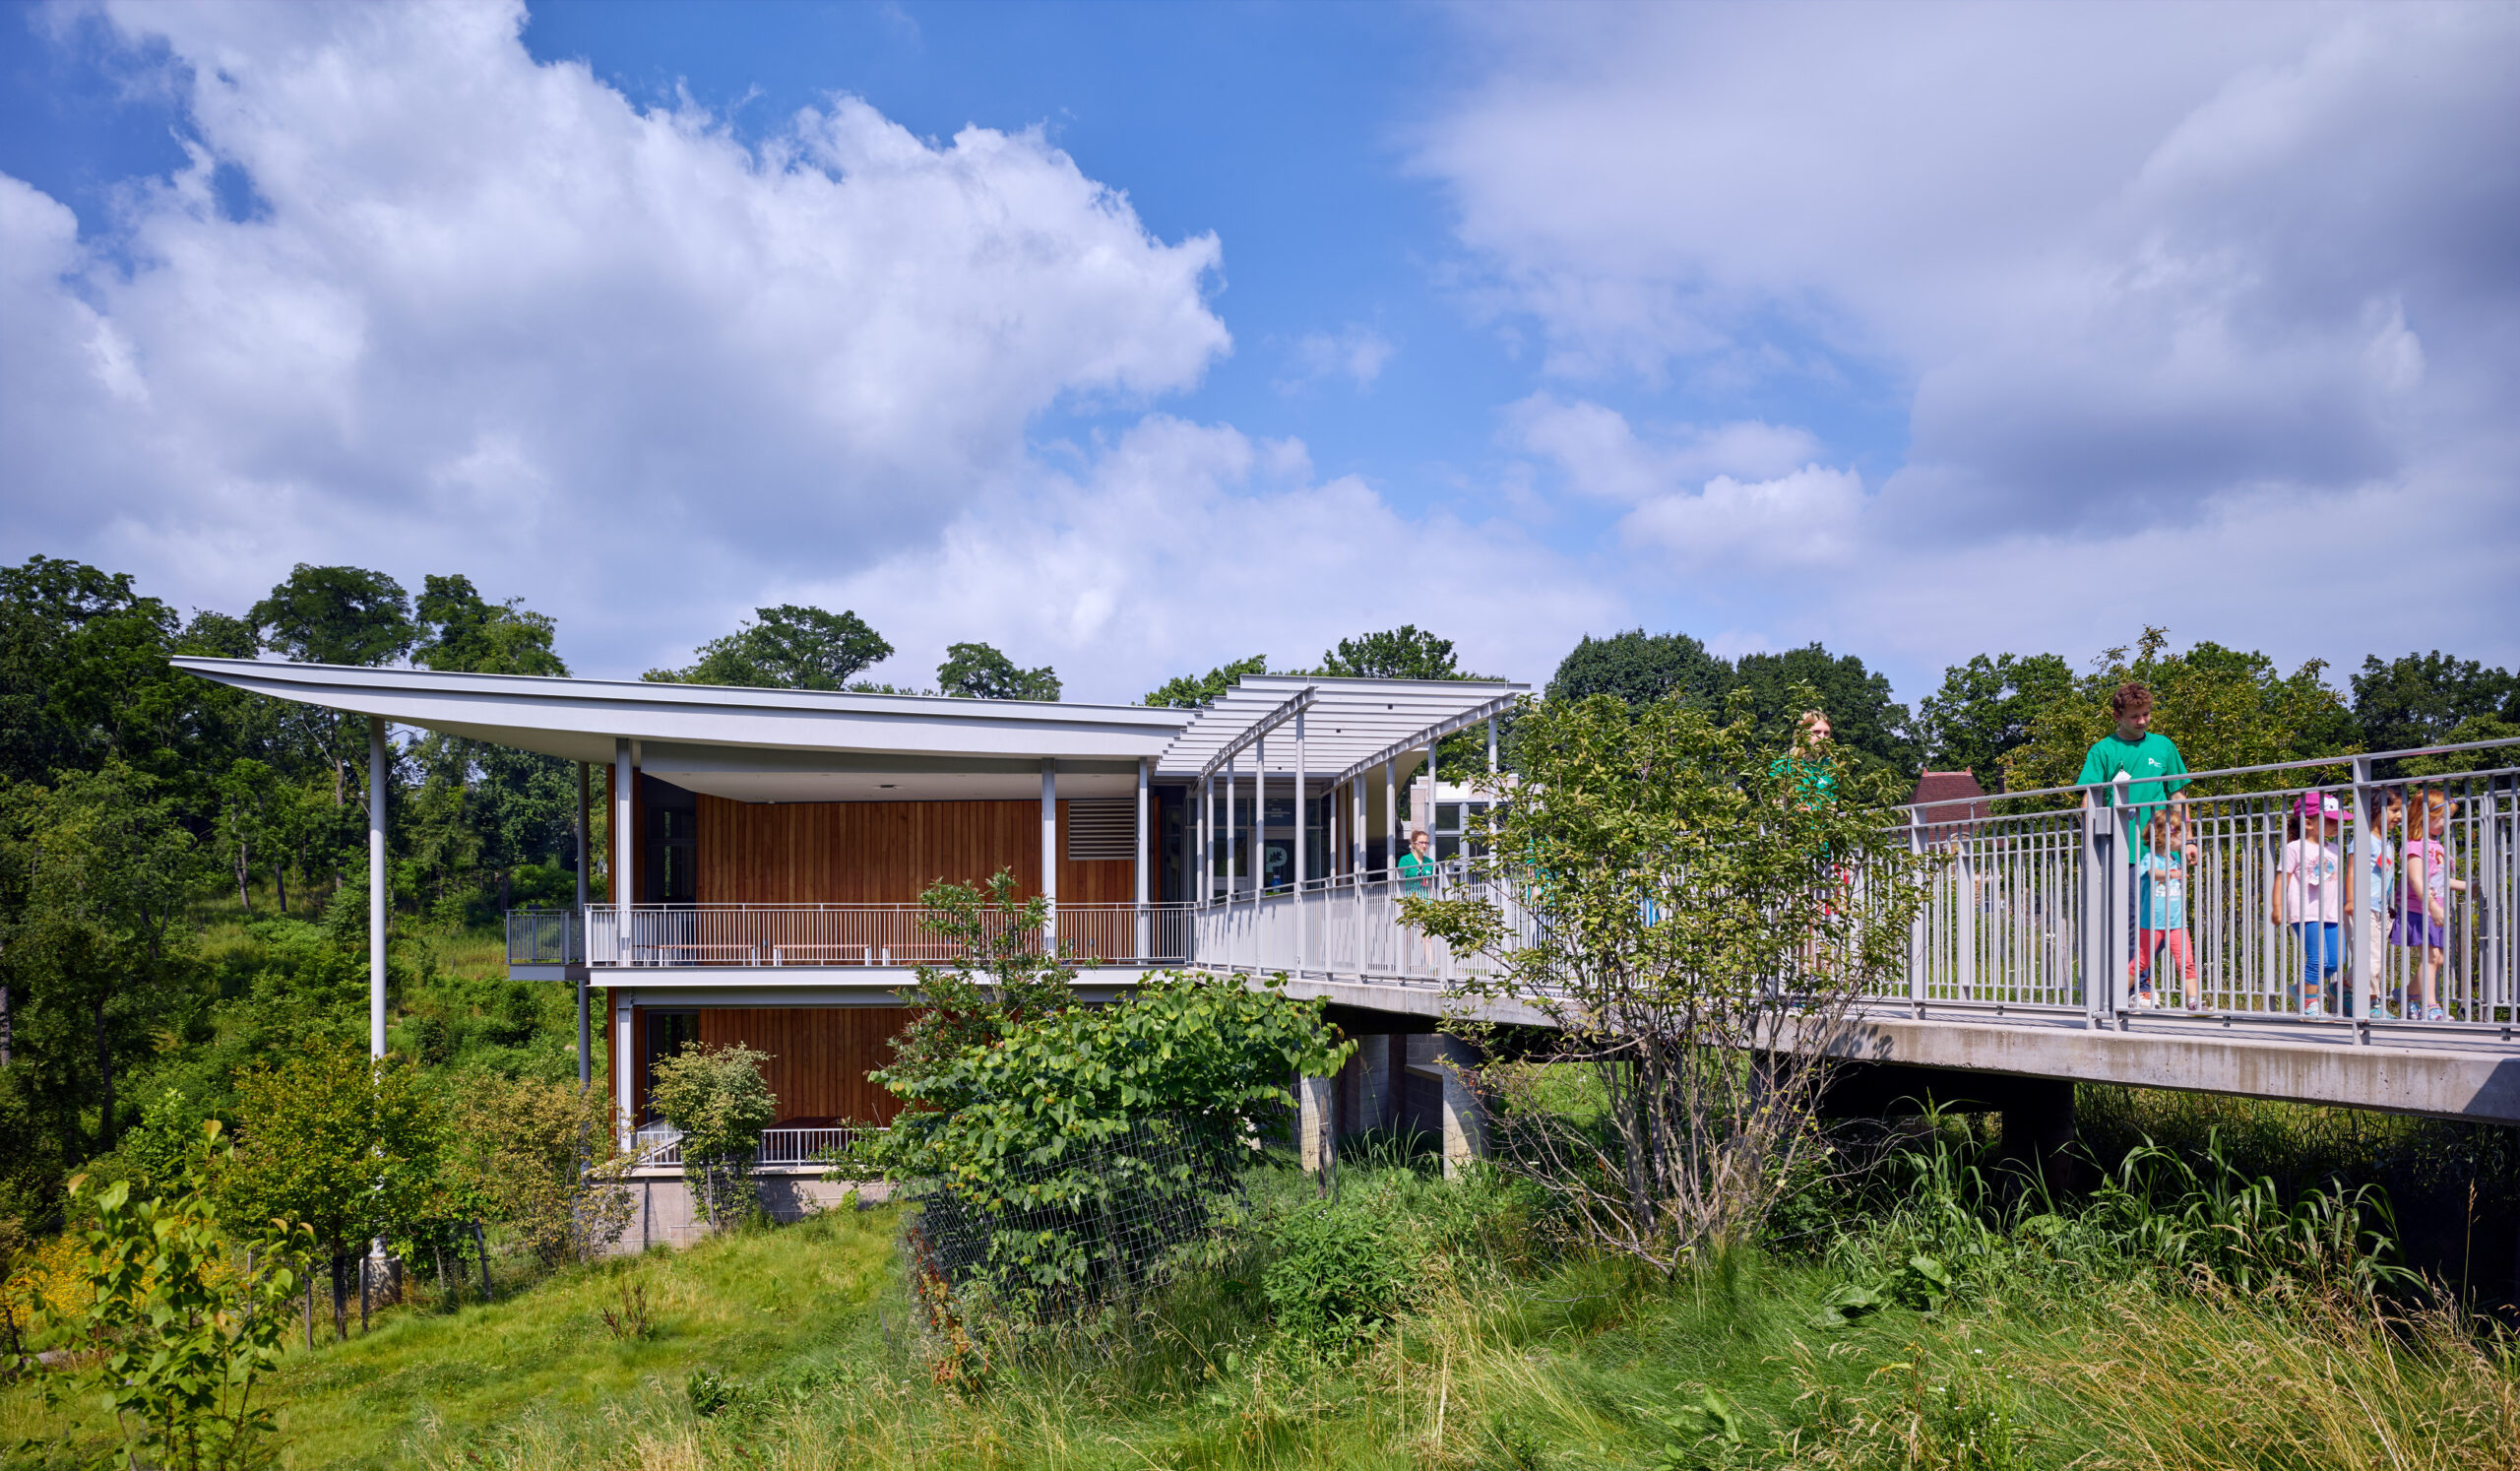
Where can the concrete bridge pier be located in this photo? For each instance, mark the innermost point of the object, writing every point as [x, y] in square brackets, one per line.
[1465, 1117]
[1317, 1127]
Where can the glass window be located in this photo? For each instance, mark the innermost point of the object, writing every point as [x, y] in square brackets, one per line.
[668, 1033]
[1448, 816]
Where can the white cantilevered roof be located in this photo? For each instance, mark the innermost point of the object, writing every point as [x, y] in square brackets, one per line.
[1349, 725]
[580, 719]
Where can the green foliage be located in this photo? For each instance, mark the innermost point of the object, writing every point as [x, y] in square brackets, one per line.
[348, 1146]
[788, 647]
[2422, 699]
[1640, 667]
[1985, 709]
[1691, 902]
[1190, 691]
[337, 615]
[1406, 652]
[458, 632]
[979, 672]
[541, 1157]
[1206, 1050]
[2222, 707]
[189, 1319]
[95, 874]
[1001, 977]
[718, 1099]
[1341, 1277]
[1871, 726]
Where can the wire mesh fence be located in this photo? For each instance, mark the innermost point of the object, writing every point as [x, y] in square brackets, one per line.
[1100, 1221]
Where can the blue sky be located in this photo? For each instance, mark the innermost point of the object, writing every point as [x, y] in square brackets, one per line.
[1137, 338]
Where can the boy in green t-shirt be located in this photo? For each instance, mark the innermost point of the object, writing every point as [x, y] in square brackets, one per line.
[2151, 762]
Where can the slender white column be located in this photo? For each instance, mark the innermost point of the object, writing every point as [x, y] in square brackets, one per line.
[1051, 850]
[375, 886]
[1259, 819]
[625, 795]
[1303, 845]
[1491, 745]
[586, 1052]
[1143, 927]
[622, 1093]
[1390, 817]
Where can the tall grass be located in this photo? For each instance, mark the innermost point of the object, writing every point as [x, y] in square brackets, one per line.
[2191, 1314]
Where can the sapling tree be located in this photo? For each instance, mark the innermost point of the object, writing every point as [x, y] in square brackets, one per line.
[542, 1157]
[1001, 976]
[719, 1101]
[186, 1312]
[350, 1146]
[1694, 914]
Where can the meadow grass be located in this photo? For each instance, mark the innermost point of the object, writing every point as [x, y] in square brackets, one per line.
[2061, 1341]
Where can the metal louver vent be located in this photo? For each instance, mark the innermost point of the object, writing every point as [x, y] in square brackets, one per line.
[1101, 828]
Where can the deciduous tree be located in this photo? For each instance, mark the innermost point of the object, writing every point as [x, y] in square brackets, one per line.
[1698, 924]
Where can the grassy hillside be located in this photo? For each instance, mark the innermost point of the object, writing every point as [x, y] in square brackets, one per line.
[2060, 1342]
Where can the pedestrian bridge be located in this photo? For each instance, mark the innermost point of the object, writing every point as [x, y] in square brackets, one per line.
[2024, 962]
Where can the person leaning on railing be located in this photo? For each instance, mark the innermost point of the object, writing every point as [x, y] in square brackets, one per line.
[2147, 759]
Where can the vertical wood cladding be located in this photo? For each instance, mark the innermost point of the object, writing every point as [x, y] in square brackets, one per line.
[883, 852]
[819, 1055]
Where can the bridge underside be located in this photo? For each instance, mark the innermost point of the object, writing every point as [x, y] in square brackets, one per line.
[1961, 1061]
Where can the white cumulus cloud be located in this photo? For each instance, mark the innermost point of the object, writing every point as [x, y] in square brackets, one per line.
[487, 315]
[2163, 290]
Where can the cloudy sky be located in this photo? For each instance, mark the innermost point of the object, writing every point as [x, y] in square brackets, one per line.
[1135, 339]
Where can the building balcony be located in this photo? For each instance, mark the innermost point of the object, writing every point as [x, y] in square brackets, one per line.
[803, 937]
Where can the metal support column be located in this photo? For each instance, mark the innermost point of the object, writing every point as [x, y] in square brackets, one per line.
[1303, 847]
[586, 1053]
[625, 889]
[1050, 854]
[376, 886]
[1145, 928]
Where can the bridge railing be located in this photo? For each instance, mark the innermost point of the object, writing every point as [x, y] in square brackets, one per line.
[2038, 902]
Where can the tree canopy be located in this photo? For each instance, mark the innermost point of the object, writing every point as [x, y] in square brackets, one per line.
[337, 615]
[788, 647]
[1640, 667]
[1190, 691]
[458, 632]
[979, 672]
[1406, 652]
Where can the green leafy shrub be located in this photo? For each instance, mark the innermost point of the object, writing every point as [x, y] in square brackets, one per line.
[188, 1318]
[1341, 1274]
[718, 1099]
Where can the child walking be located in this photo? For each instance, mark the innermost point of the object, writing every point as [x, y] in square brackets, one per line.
[2424, 915]
[2161, 907]
[2373, 884]
[2310, 894]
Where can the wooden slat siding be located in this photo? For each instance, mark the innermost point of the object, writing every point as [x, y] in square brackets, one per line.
[883, 852]
[819, 1055]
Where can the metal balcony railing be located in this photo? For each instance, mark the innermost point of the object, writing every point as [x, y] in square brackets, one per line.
[782, 936]
[660, 1146]
[546, 937]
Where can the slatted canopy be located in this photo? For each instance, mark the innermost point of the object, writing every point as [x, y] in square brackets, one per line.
[1350, 726]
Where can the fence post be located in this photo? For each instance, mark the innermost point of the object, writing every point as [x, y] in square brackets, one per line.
[2362, 988]
[2089, 915]
[1916, 953]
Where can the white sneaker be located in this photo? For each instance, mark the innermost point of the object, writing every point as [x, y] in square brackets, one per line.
[2314, 1011]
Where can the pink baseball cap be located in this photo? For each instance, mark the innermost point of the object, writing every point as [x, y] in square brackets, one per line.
[2313, 805]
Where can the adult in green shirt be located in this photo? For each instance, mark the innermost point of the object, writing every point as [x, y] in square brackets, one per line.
[1418, 865]
[2152, 763]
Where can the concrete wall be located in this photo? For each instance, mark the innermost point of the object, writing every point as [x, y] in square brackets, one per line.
[663, 1213]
